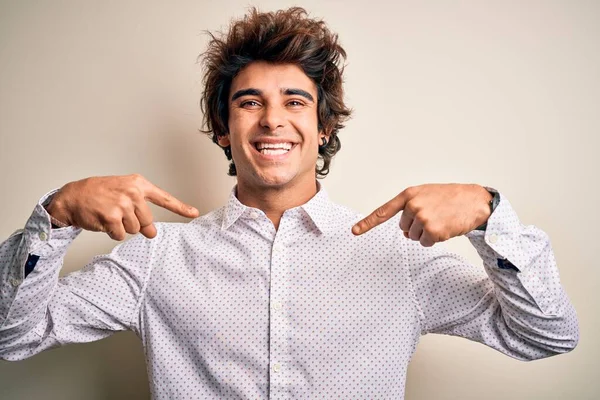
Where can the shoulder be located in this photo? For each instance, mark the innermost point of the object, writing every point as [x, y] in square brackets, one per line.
[210, 220]
[345, 217]
[172, 234]
[343, 213]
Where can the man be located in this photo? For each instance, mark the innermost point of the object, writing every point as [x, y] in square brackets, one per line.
[281, 293]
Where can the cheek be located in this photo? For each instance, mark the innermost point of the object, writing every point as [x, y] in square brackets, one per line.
[239, 127]
[309, 126]
[241, 119]
[233, 122]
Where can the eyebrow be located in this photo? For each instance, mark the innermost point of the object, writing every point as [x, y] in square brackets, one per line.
[298, 92]
[245, 92]
[258, 92]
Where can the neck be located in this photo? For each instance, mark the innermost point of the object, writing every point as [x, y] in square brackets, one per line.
[274, 201]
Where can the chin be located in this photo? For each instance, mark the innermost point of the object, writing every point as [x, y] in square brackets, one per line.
[274, 180]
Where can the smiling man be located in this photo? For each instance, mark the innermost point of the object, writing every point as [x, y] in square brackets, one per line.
[275, 136]
[281, 293]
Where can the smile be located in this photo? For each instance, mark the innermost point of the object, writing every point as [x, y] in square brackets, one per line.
[274, 151]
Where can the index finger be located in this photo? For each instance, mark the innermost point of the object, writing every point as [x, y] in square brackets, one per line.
[164, 199]
[380, 215]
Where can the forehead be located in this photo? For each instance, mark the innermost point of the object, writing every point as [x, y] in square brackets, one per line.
[271, 78]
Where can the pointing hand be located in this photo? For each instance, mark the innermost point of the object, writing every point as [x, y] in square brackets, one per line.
[114, 204]
[434, 212]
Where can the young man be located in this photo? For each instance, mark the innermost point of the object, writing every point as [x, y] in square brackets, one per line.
[281, 293]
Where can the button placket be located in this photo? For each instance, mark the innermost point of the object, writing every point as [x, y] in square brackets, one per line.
[279, 319]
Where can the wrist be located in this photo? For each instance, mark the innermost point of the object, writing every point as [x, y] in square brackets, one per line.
[492, 199]
[56, 224]
[51, 208]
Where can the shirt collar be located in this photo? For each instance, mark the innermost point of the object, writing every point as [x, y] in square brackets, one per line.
[317, 209]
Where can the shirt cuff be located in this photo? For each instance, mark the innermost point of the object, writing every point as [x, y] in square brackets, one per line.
[503, 238]
[39, 236]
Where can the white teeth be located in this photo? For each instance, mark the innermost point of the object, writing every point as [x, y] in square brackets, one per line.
[285, 146]
[273, 151]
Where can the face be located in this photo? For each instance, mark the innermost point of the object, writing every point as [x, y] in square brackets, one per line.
[273, 126]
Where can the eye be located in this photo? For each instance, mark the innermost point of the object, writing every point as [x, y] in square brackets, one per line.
[250, 104]
[295, 103]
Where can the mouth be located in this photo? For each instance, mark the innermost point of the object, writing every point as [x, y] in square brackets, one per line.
[274, 151]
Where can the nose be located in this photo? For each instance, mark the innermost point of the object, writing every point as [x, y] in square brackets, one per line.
[273, 117]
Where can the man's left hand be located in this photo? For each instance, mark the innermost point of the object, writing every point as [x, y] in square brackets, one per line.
[433, 212]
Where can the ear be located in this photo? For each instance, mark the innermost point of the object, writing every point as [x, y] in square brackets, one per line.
[223, 140]
[323, 134]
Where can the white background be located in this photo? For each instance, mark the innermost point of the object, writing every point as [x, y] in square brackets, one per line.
[504, 94]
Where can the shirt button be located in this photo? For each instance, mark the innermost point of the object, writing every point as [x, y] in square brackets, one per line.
[276, 305]
[276, 368]
[43, 236]
[278, 248]
[15, 282]
[493, 238]
[253, 214]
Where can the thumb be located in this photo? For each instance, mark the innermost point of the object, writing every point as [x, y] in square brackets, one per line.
[149, 231]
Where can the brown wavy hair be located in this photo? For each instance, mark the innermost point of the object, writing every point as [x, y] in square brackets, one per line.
[282, 37]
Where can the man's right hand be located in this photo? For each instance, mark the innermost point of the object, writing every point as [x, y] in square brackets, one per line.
[114, 204]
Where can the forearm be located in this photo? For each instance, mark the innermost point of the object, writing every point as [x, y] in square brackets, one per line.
[514, 304]
[528, 306]
[40, 251]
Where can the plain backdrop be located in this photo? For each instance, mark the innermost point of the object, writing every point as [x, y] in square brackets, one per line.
[503, 94]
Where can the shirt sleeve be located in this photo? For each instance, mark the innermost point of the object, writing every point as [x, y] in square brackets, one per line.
[39, 310]
[514, 304]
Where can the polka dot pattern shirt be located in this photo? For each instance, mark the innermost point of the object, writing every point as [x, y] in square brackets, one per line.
[229, 308]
